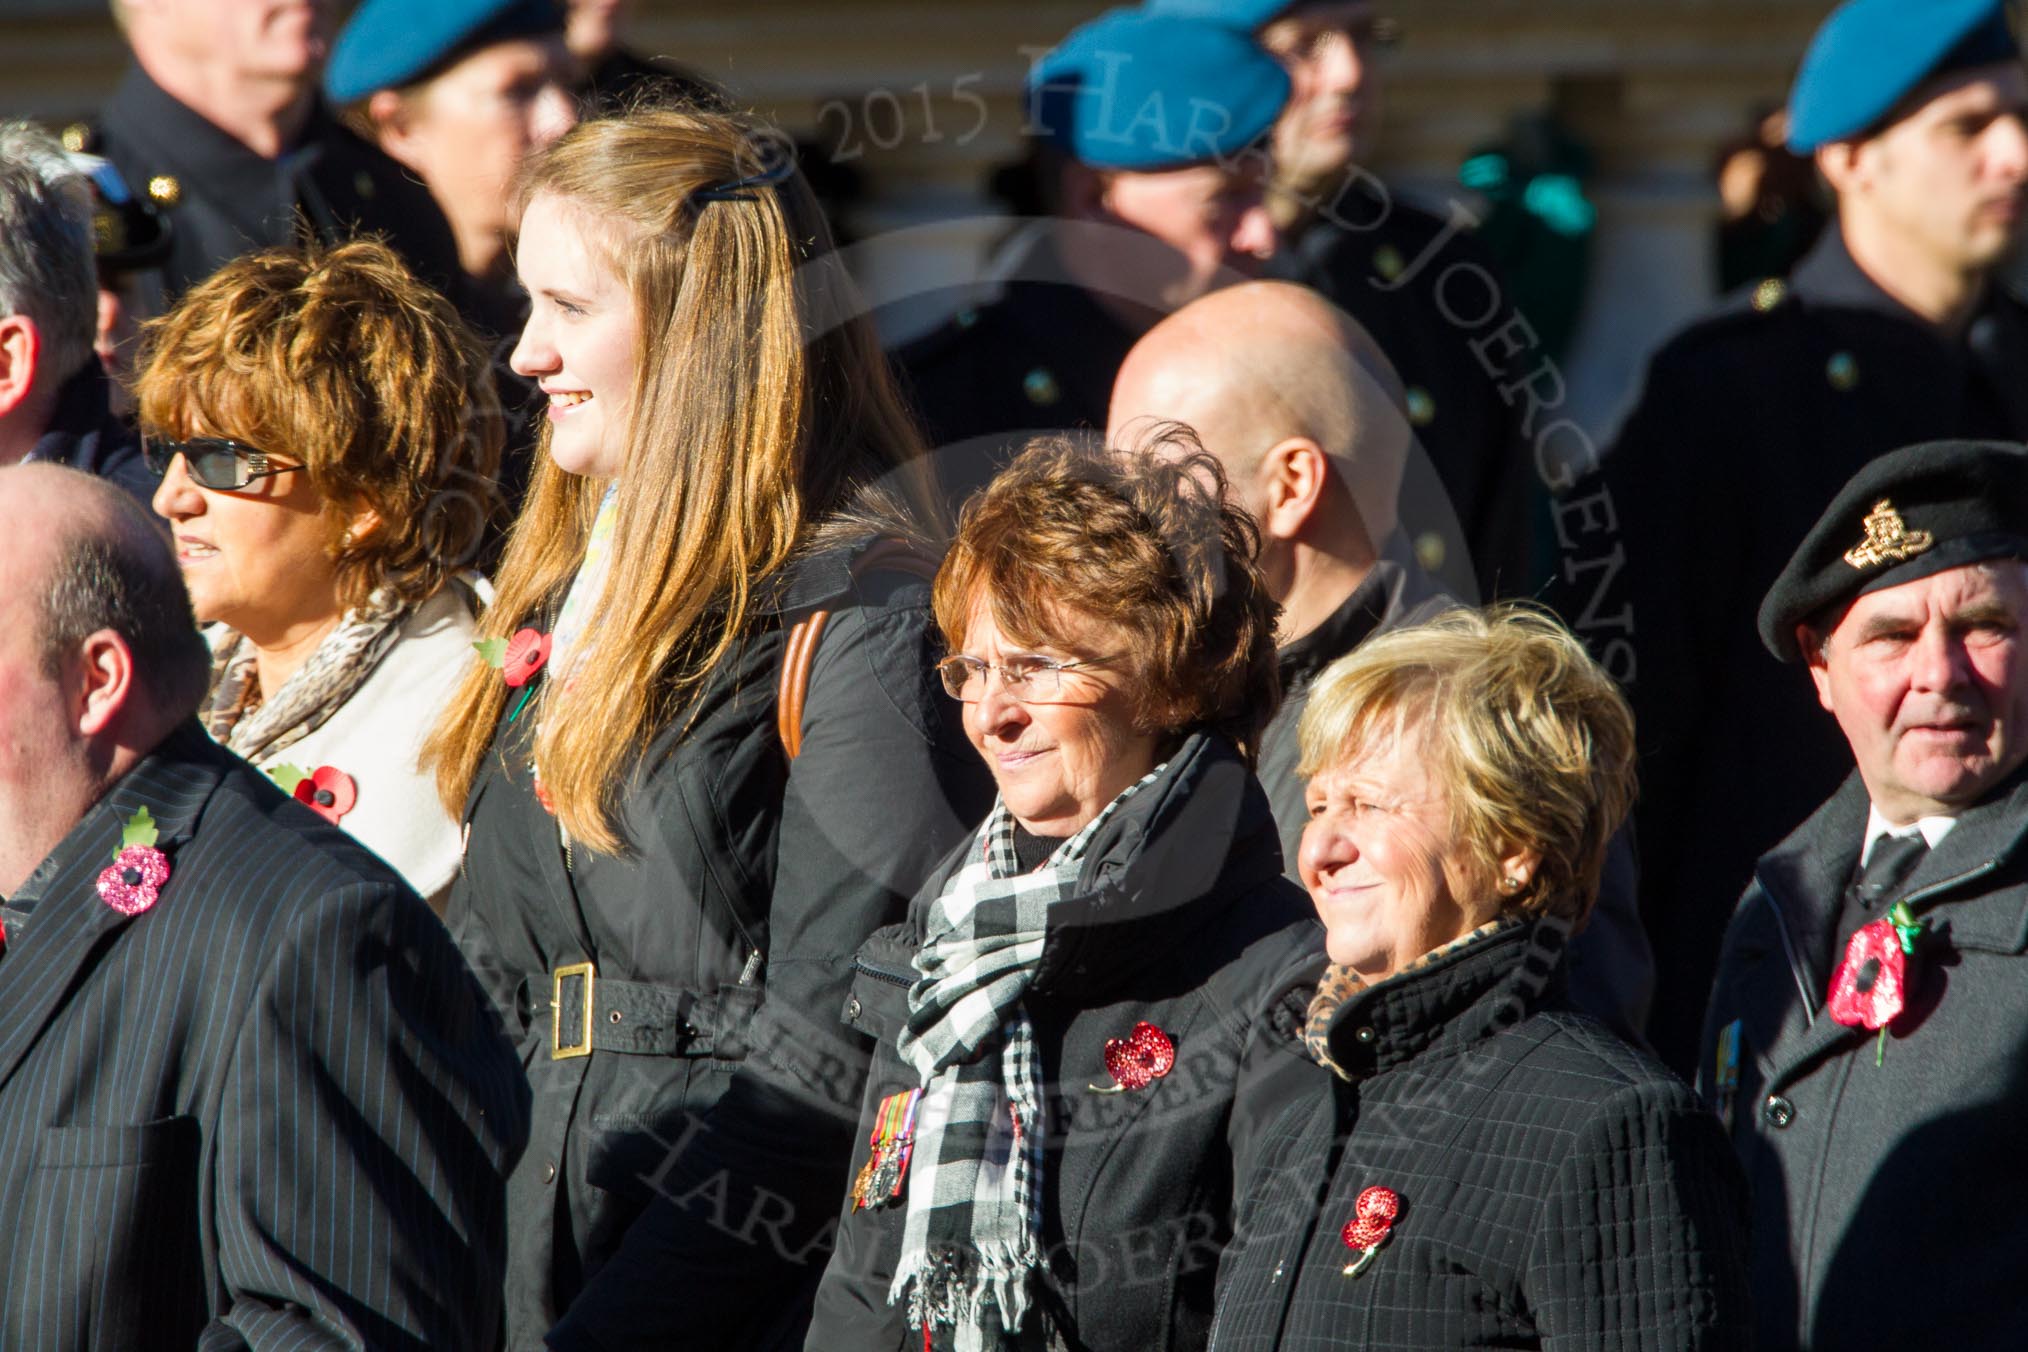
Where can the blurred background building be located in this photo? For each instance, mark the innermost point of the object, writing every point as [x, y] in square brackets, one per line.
[1628, 107]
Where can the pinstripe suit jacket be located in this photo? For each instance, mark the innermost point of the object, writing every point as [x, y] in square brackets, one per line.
[269, 1112]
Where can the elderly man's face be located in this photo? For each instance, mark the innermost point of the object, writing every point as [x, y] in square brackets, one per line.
[257, 39]
[1929, 682]
[42, 752]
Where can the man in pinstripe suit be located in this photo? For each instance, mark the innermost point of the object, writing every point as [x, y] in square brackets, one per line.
[258, 1105]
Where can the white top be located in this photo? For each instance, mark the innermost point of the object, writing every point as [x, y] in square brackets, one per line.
[376, 735]
[1933, 830]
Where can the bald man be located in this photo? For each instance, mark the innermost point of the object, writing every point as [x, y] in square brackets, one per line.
[249, 1093]
[1305, 413]
[1309, 419]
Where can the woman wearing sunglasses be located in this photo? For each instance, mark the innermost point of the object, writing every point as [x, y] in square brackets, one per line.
[327, 437]
[1046, 1144]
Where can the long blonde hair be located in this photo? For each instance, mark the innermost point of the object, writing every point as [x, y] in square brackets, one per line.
[766, 424]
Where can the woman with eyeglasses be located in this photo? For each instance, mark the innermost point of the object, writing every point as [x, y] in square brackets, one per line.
[327, 437]
[1046, 1146]
[693, 805]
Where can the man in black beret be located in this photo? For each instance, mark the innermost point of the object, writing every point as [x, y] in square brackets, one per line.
[1867, 1041]
[1897, 328]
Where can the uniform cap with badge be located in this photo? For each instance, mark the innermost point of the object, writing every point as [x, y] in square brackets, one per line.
[1908, 515]
[391, 43]
[1871, 54]
[128, 233]
[1142, 92]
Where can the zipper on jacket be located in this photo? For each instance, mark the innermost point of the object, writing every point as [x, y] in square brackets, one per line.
[752, 968]
[881, 974]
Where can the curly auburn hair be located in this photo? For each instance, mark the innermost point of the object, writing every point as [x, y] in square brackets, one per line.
[340, 358]
[1142, 543]
[1529, 739]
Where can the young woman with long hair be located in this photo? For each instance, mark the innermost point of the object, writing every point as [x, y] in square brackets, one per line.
[663, 900]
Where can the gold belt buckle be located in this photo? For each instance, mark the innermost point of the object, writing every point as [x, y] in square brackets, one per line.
[557, 1050]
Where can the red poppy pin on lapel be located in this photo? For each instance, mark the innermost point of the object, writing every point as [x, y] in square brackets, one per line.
[1372, 1218]
[1138, 1059]
[1870, 987]
[327, 791]
[133, 881]
[517, 660]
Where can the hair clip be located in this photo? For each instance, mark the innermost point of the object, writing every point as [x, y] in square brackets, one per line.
[735, 191]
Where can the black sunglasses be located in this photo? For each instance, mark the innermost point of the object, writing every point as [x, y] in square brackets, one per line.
[212, 462]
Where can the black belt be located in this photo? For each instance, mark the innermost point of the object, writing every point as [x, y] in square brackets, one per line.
[588, 1012]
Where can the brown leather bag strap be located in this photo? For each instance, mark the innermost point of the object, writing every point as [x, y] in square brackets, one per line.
[883, 555]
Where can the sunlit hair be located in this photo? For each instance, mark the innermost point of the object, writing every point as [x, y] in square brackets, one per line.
[1133, 551]
[1526, 736]
[340, 358]
[766, 424]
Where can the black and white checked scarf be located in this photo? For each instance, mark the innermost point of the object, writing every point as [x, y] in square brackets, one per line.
[972, 1232]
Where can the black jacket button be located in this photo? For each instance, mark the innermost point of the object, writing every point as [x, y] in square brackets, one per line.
[1778, 1111]
[852, 1010]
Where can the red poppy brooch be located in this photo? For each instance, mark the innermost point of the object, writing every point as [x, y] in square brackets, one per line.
[1870, 987]
[133, 881]
[327, 791]
[1138, 1059]
[1373, 1216]
[517, 659]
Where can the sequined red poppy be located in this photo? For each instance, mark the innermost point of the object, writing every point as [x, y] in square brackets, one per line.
[1373, 1216]
[133, 881]
[1870, 986]
[327, 791]
[1141, 1057]
[526, 652]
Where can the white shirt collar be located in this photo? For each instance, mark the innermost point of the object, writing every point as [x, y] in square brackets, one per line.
[1933, 830]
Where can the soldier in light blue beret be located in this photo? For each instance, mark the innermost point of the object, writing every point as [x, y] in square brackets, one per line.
[1149, 145]
[459, 91]
[1898, 327]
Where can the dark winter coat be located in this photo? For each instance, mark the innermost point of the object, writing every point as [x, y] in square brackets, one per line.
[1890, 1207]
[84, 434]
[1182, 920]
[1557, 1189]
[1750, 423]
[718, 1075]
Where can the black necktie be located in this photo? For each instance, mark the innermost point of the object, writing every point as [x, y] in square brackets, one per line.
[1893, 858]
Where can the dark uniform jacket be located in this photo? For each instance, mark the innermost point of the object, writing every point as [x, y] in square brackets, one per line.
[1182, 920]
[717, 1074]
[1428, 292]
[84, 434]
[1612, 968]
[1039, 357]
[270, 1111]
[224, 200]
[1556, 1189]
[1750, 423]
[1890, 1210]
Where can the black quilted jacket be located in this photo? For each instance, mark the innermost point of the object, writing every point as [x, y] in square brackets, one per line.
[1556, 1188]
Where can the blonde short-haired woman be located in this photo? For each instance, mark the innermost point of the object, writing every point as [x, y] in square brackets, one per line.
[1479, 1166]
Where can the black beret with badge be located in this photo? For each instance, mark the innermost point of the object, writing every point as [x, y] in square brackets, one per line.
[1907, 515]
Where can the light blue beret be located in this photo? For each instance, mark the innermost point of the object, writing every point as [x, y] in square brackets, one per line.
[1140, 91]
[1245, 15]
[1870, 53]
[390, 43]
